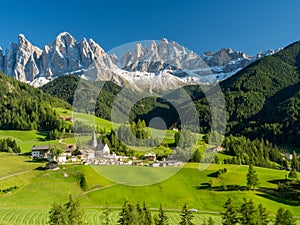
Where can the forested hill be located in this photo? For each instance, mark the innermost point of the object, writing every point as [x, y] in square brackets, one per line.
[25, 108]
[263, 100]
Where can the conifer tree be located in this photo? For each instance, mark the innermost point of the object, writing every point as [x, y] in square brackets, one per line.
[252, 179]
[161, 218]
[284, 217]
[186, 216]
[229, 217]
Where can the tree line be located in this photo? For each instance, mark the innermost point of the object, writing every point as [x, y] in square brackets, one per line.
[72, 213]
[9, 145]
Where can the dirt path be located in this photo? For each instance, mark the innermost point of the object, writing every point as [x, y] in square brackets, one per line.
[96, 189]
[15, 174]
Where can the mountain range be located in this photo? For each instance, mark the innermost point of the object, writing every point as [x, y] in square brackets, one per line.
[156, 65]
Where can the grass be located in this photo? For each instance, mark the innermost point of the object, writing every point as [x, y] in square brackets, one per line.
[40, 189]
[12, 163]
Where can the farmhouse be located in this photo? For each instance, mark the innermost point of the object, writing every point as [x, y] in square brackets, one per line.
[69, 149]
[150, 156]
[86, 154]
[41, 152]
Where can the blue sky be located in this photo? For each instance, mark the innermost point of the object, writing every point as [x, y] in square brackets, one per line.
[200, 25]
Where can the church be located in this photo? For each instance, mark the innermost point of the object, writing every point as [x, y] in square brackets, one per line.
[101, 150]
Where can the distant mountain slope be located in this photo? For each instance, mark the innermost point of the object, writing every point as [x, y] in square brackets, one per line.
[25, 108]
[263, 99]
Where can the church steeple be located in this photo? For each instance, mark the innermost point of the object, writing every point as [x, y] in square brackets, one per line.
[94, 140]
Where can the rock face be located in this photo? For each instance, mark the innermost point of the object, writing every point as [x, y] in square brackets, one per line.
[26, 62]
[21, 60]
[161, 65]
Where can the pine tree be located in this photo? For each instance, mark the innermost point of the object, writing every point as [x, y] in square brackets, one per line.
[262, 218]
[210, 221]
[161, 218]
[295, 162]
[248, 213]
[186, 216]
[105, 215]
[75, 212]
[57, 215]
[126, 214]
[284, 218]
[146, 215]
[230, 215]
[252, 179]
[69, 214]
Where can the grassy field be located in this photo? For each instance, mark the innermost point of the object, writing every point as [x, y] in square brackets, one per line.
[38, 190]
[11, 164]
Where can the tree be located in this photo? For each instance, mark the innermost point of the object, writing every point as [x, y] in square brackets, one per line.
[293, 174]
[295, 162]
[262, 218]
[146, 217]
[252, 179]
[105, 215]
[126, 214]
[229, 217]
[56, 152]
[284, 217]
[209, 222]
[75, 213]
[70, 213]
[248, 213]
[186, 216]
[57, 215]
[161, 218]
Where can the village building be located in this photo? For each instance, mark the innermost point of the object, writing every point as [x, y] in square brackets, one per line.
[150, 156]
[41, 152]
[69, 150]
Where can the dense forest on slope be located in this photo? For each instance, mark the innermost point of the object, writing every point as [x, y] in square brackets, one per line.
[263, 100]
[65, 87]
[23, 107]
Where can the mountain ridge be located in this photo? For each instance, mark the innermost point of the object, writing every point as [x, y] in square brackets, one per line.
[163, 64]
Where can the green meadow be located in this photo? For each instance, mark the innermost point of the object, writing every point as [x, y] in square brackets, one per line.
[39, 189]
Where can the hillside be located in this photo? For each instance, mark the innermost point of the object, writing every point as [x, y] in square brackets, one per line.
[23, 107]
[65, 88]
[263, 99]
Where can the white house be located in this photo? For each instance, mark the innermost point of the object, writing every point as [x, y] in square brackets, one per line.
[41, 152]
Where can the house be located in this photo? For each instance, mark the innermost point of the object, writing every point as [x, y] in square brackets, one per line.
[52, 165]
[86, 154]
[65, 118]
[62, 158]
[69, 149]
[41, 152]
[150, 156]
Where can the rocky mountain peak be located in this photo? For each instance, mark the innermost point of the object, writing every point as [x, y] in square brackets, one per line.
[165, 64]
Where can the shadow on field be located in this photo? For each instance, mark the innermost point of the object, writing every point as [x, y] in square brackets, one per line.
[285, 201]
[207, 186]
